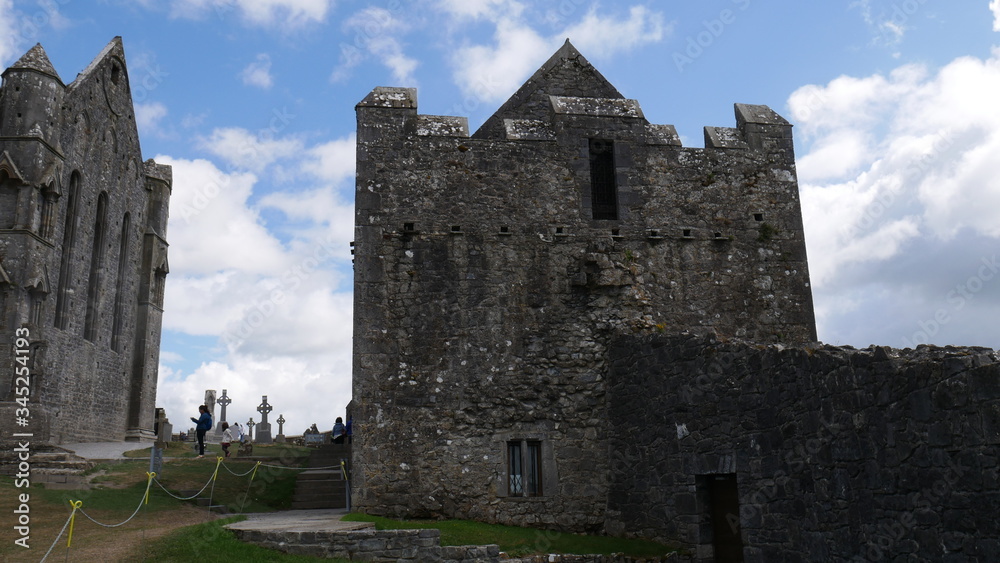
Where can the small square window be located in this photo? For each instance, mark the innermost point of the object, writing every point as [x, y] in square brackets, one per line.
[409, 227]
[686, 233]
[456, 228]
[758, 216]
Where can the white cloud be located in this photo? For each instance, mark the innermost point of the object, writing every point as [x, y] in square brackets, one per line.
[899, 169]
[258, 73]
[492, 72]
[212, 228]
[332, 161]
[376, 32]
[148, 116]
[264, 13]
[19, 28]
[995, 8]
[245, 150]
[603, 37]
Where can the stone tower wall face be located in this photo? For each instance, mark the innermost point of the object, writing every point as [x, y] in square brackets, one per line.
[486, 295]
[80, 301]
[838, 454]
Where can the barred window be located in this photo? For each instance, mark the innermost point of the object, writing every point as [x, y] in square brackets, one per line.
[524, 468]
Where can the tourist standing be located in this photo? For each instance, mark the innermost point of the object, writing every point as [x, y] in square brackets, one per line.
[227, 438]
[202, 425]
[338, 431]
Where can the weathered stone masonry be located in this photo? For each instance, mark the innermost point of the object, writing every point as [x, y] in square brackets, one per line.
[83, 252]
[491, 276]
[839, 454]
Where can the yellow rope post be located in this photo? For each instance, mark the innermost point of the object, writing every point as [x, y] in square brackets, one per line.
[72, 518]
[254, 471]
[343, 469]
[149, 481]
[217, 464]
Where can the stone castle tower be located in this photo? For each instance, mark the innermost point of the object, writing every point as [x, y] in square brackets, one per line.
[494, 270]
[83, 253]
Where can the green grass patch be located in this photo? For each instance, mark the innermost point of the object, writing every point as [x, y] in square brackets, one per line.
[212, 542]
[284, 452]
[270, 488]
[517, 541]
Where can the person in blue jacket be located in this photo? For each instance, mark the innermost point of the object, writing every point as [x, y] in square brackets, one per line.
[203, 425]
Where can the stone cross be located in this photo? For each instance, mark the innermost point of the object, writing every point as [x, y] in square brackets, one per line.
[281, 424]
[223, 402]
[250, 425]
[264, 428]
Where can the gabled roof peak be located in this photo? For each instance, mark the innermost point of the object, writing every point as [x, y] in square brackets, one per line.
[36, 59]
[566, 73]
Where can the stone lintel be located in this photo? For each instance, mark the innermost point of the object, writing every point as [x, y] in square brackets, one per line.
[599, 107]
[528, 130]
[442, 126]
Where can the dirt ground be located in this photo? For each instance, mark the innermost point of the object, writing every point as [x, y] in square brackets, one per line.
[107, 545]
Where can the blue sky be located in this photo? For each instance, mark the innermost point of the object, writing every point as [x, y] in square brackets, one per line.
[252, 102]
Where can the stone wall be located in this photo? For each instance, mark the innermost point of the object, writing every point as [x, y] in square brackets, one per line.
[839, 454]
[82, 252]
[486, 294]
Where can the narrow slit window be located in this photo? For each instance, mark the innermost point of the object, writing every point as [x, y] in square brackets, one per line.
[96, 270]
[603, 189]
[69, 241]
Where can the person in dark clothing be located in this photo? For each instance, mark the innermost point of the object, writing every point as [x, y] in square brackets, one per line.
[338, 431]
[203, 424]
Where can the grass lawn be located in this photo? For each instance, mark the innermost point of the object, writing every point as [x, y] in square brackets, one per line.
[519, 542]
[117, 492]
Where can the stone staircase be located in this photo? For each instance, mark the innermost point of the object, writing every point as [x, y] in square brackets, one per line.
[323, 487]
[53, 466]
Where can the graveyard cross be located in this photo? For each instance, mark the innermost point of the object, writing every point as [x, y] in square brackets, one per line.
[263, 409]
[224, 401]
[281, 424]
[250, 425]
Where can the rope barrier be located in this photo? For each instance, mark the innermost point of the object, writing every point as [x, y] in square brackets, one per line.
[55, 541]
[151, 477]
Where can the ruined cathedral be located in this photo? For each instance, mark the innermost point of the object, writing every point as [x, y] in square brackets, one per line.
[568, 320]
[83, 254]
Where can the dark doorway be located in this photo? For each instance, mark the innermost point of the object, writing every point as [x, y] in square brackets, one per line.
[724, 502]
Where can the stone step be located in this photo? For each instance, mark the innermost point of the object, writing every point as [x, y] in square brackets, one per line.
[321, 475]
[316, 504]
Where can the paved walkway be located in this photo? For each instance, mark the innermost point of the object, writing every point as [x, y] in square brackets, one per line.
[104, 450]
[320, 520]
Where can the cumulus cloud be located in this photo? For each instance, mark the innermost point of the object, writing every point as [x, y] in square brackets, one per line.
[375, 33]
[212, 226]
[491, 72]
[263, 13]
[899, 167]
[278, 311]
[258, 73]
[995, 8]
[20, 28]
[148, 116]
[243, 149]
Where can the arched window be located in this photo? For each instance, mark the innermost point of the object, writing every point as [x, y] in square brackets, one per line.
[119, 318]
[69, 241]
[96, 269]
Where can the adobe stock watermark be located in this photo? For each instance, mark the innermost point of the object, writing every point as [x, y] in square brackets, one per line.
[696, 45]
[957, 299]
